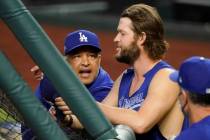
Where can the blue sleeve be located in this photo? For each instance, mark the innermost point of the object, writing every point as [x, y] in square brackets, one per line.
[100, 88]
[38, 94]
[195, 132]
[27, 133]
[48, 91]
[186, 123]
[100, 93]
[188, 135]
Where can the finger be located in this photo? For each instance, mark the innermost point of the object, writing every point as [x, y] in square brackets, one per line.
[67, 112]
[34, 68]
[42, 75]
[39, 76]
[67, 118]
[58, 99]
[64, 108]
[61, 103]
[52, 110]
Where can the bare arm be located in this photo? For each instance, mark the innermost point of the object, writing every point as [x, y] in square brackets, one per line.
[162, 95]
[161, 98]
[112, 97]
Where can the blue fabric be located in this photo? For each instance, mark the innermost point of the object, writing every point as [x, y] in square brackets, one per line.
[135, 101]
[198, 131]
[80, 38]
[99, 89]
[194, 75]
[39, 96]
[186, 123]
[46, 93]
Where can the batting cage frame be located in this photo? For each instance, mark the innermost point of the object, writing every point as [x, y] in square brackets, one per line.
[41, 49]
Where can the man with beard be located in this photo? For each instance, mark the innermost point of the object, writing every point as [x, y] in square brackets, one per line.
[193, 78]
[82, 52]
[143, 96]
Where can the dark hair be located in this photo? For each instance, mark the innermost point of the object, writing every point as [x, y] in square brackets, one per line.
[146, 19]
[203, 100]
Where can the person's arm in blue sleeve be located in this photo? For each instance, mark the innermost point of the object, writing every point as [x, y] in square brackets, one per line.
[100, 93]
[38, 94]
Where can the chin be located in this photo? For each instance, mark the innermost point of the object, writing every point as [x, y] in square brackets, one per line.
[87, 81]
[117, 55]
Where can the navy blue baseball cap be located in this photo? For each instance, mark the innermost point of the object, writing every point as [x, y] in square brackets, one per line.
[194, 75]
[81, 38]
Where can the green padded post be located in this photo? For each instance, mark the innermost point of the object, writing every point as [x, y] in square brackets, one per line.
[31, 109]
[45, 54]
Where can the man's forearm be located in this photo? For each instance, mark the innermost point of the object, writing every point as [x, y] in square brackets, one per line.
[123, 116]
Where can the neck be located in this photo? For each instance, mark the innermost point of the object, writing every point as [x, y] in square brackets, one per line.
[197, 112]
[143, 64]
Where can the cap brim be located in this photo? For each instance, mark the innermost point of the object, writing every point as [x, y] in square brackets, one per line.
[174, 76]
[92, 47]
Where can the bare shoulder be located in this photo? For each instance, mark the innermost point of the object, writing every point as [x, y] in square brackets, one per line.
[161, 82]
[162, 88]
[164, 73]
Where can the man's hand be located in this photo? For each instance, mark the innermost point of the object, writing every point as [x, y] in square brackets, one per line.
[63, 107]
[52, 112]
[69, 116]
[37, 73]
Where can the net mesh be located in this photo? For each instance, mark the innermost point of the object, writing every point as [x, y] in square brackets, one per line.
[10, 120]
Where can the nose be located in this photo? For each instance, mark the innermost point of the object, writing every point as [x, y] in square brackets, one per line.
[85, 60]
[117, 38]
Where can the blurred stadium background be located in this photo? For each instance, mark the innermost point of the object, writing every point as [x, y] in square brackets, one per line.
[187, 24]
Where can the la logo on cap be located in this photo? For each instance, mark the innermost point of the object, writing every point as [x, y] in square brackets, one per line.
[82, 38]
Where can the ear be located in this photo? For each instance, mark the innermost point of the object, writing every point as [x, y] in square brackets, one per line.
[99, 58]
[142, 38]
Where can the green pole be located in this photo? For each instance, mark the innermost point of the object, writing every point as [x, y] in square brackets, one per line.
[31, 109]
[45, 54]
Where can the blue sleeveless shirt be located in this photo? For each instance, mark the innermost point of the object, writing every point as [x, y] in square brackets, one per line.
[135, 101]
